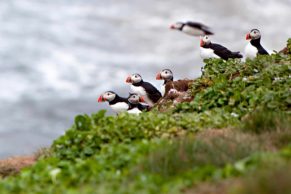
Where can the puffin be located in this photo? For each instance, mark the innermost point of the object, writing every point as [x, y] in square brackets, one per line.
[135, 104]
[117, 103]
[254, 47]
[169, 83]
[213, 50]
[192, 28]
[167, 76]
[150, 94]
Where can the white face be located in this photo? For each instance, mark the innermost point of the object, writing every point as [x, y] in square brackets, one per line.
[136, 78]
[134, 98]
[166, 74]
[205, 40]
[109, 96]
[255, 34]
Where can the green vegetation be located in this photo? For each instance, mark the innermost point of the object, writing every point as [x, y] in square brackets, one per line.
[238, 121]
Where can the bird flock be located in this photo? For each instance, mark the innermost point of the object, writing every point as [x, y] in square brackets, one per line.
[144, 95]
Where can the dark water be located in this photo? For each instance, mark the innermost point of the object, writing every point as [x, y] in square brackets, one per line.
[57, 56]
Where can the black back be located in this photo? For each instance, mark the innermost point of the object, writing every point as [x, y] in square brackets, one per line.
[257, 43]
[200, 26]
[139, 106]
[152, 92]
[222, 51]
[118, 99]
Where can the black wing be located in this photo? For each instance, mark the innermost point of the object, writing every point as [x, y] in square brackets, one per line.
[262, 51]
[153, 93]
[200, 26]
[223, 52]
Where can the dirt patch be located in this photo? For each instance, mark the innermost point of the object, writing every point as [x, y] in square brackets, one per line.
[13, 165]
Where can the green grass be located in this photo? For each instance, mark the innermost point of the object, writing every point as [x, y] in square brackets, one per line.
[261, 121]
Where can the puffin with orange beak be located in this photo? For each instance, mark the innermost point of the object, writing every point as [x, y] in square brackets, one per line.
[117, 103]
[136, 106]
[145, 89]
[167, 76]
[213, 50]
[192, 28]
[254, 47]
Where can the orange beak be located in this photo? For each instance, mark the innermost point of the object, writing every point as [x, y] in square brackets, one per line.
[201, 43]
[141, 99]
[101, 99]
[248, 36]
[158, 77]
[128, 80]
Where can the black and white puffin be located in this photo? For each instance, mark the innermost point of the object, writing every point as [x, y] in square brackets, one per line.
[135, 106]
[181, 85]
[167, 76]
[192, 28]
[254, 47]
[213, 50]
[117, 103]
[148, 91]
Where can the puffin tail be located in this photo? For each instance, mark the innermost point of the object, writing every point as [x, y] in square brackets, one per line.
[236, 55]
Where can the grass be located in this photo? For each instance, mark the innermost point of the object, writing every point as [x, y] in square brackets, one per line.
[188, 153]
[272, 180]
[261, 121]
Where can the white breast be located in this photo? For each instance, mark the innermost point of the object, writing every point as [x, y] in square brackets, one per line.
[163, 89]
[250, 51]
[138, 89]
[207, 53]
[134, 111]
[192, 31]
[119, 107]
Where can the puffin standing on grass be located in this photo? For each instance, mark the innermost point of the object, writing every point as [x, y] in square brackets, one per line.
[192, 28]
[167, 76]
[254, 47]
[169, 83]
[213, 50]
[148, 91]
[117, 103]
[135, 106]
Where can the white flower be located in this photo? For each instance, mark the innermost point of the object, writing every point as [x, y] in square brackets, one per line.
[245, 79]
[256, 71]
[53, 173]
[234, 114]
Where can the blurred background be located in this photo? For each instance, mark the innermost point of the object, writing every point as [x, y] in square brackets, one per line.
[58, 56]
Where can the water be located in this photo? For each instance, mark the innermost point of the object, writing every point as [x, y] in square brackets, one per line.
[57, 56]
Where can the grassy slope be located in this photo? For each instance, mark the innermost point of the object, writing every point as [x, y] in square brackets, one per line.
[174, 151]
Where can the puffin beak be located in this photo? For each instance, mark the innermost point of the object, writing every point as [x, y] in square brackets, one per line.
[248, 36]
[158, 77]
[101, 99]
[201, 43]
[128, 80]
[141, 99]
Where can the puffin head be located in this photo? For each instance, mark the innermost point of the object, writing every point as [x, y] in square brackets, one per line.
[204, 40]
[177, 26]
[253, 34]
[165, 74]
[135, 98]
[107, 96]
[134, 78]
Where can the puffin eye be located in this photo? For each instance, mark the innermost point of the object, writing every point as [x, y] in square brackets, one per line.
[166, 72]
[255, 32]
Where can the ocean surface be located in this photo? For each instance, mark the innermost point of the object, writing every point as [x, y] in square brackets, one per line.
[58, 56]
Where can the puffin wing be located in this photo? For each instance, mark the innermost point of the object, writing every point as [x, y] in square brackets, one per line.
[223, 52]
[200, 26]
[153, 93]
